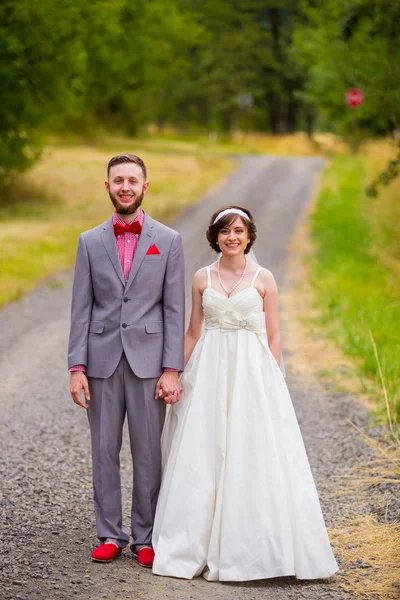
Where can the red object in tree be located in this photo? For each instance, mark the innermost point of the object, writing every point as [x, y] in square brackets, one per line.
[354, 97]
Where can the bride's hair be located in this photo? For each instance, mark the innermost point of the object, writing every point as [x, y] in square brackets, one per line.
[215, 227]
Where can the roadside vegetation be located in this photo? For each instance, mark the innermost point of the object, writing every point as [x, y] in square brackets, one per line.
[43, 212]
[342, 317]
[355, 270]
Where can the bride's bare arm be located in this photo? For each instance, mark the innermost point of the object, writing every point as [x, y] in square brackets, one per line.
[271, 314]
[197, 316]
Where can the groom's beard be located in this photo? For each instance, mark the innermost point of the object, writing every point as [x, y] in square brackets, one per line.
[126, 210]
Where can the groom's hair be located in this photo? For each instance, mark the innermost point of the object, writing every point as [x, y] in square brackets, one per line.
[214, 228]
[127, 158]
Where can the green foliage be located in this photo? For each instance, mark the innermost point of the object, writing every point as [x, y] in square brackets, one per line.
[123, 64]
[358, 294]
[344, 44]
[246, 51]
[386, 177]
[136, 62]
[41, 72]
[77, 66]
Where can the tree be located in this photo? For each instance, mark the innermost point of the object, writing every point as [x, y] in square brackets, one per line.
[341, 45]
[41, 73]
[245, 51]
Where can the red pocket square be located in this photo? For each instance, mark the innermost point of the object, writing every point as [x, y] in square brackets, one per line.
[153, 250]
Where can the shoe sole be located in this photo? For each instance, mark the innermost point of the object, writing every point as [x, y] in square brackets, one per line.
[102, 561]
[105, 561]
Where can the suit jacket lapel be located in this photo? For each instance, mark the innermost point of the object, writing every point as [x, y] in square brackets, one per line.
[144, 244]
[108, 239]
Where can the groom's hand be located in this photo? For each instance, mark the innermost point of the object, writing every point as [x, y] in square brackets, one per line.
[168, 387]
[77, 384]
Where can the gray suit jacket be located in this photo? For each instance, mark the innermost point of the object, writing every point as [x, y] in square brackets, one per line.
[144, 317]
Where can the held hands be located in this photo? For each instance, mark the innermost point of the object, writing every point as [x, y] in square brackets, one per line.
[168, 387]
[77, 384]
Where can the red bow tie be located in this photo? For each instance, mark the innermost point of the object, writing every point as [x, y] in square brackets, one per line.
[134, 227]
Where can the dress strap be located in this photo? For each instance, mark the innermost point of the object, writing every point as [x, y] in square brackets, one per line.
[255, 276]
[208, 276]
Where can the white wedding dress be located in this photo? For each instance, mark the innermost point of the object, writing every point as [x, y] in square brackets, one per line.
[238, 500]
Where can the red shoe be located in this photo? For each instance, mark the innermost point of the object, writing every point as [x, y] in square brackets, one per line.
[145, 557]
[106, 553]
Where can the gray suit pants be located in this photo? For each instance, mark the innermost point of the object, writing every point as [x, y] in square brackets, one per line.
[110, 399]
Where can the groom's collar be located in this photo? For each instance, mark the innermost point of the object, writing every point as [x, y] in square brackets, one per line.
[139, 218]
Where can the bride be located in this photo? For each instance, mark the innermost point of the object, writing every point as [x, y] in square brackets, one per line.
[237, 501]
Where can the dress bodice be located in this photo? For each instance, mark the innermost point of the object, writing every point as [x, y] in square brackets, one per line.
[243, 310]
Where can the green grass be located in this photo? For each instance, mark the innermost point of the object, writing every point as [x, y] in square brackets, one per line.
[358, 294]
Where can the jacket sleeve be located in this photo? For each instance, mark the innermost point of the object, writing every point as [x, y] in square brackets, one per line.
[174, 307]
[81, 309]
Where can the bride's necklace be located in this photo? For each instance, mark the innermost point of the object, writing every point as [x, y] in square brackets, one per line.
[229, 292]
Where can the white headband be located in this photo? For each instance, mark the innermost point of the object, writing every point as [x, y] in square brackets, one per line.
[229, 211]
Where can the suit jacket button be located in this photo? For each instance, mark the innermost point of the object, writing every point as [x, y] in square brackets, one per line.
[124, 325]
[126, 299]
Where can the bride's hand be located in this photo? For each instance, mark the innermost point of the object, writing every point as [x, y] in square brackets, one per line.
[168, 387]
[174, 397]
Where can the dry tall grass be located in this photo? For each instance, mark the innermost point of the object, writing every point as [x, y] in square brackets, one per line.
[369, 552]
[297, 144]
[45, 210]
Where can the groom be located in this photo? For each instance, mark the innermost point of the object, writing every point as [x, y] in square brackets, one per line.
[126, 351]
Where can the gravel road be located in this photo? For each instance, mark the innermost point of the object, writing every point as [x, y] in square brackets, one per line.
[47, 524]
